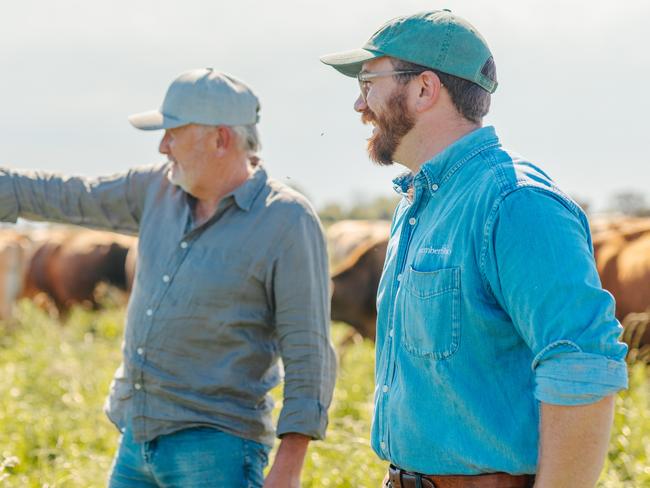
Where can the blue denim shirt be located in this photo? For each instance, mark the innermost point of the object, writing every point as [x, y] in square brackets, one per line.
[489, 303]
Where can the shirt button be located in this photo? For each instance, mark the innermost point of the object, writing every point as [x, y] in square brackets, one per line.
[384, 388]
[399, 277]
[183, 245]
[382, 444]
[412, 221]
[149, 312]
[434, 187]
[166, 278]
[140, 351]
[137, 386]
[390, 332]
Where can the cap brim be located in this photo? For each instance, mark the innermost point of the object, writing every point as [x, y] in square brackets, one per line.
[154, 120]
[350, 62]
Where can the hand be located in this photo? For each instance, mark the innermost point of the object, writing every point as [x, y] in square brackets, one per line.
[281, 479]
[285, 472]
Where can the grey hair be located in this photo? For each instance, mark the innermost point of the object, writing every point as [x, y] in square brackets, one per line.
[248, 137]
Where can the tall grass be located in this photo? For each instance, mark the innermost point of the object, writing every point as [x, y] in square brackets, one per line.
[53, 380]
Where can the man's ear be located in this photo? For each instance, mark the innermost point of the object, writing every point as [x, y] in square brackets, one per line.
[428, 85]
[223, 139]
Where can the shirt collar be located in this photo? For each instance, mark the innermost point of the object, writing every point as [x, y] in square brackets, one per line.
[435, 172]
[245, 194]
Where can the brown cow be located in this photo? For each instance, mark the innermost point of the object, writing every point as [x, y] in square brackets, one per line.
[69, 266]
[623, 260]
[130, 265]
[14, 255]
[344, 236]
[636, 333]
[355, 287]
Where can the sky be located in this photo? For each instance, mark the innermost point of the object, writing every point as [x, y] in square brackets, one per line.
[572, 94]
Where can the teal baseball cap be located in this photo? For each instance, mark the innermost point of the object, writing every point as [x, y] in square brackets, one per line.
[202, 96]
[437, 39]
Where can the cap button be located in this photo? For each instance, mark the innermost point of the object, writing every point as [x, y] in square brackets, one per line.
[446, 10]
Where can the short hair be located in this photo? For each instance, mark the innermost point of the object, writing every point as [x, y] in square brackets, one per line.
[471, 100]
[248, 138]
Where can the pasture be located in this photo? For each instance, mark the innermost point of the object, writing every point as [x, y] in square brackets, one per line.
[53, 432]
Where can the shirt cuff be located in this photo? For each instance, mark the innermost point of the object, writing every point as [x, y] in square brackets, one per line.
[8, 204]
[303, 416]
[565, 375]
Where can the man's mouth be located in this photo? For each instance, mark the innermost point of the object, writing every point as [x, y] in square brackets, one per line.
[367, 118]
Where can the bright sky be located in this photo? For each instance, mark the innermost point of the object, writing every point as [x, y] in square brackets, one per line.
[573, 77]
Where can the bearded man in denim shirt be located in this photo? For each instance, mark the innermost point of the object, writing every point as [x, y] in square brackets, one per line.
[231, 276]
[497, 349]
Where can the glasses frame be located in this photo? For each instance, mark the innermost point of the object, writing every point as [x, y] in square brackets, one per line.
[364, 77]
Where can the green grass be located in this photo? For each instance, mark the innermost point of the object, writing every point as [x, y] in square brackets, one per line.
[53, 433]
[53, 381]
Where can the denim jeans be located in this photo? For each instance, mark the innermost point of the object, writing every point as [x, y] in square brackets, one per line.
[196, 457]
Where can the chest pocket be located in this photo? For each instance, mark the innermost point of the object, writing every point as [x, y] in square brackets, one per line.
[430, 312]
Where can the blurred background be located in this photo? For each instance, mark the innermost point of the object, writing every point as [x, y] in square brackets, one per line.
[572, 98]
[573, 79]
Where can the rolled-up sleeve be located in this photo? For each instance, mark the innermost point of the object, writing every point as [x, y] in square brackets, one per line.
[301, 303]
[112, 202]
[543, 274]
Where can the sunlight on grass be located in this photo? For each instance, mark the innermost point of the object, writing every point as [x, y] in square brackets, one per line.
[53, 433]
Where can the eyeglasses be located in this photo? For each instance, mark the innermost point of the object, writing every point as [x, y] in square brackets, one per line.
[364, 78]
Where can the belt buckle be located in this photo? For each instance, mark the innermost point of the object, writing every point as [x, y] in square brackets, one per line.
[404, 477]
[419, 478]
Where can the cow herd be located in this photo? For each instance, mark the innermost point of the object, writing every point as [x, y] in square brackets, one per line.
[62, 266]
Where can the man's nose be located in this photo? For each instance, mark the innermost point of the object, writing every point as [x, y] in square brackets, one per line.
[163, 147]
[360, 105]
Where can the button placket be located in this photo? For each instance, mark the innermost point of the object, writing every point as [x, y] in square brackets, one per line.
[403, 248]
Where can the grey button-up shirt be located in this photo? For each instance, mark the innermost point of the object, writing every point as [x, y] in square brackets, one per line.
[213, 306]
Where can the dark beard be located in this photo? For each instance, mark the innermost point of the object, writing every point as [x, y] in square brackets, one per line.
[392, 126]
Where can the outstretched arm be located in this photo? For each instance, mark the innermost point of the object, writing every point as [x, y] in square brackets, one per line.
[111, 203]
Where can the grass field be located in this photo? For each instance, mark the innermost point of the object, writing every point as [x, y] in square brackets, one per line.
[53, 433]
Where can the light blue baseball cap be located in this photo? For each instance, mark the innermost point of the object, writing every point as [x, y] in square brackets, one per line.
[202, 96]
[437, 39]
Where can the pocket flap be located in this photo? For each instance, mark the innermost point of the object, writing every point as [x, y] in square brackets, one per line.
[426, 284]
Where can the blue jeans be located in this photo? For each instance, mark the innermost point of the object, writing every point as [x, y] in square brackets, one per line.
[196, 457]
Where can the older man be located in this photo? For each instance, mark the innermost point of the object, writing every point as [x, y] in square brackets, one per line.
[232, 274]
[490, 311]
